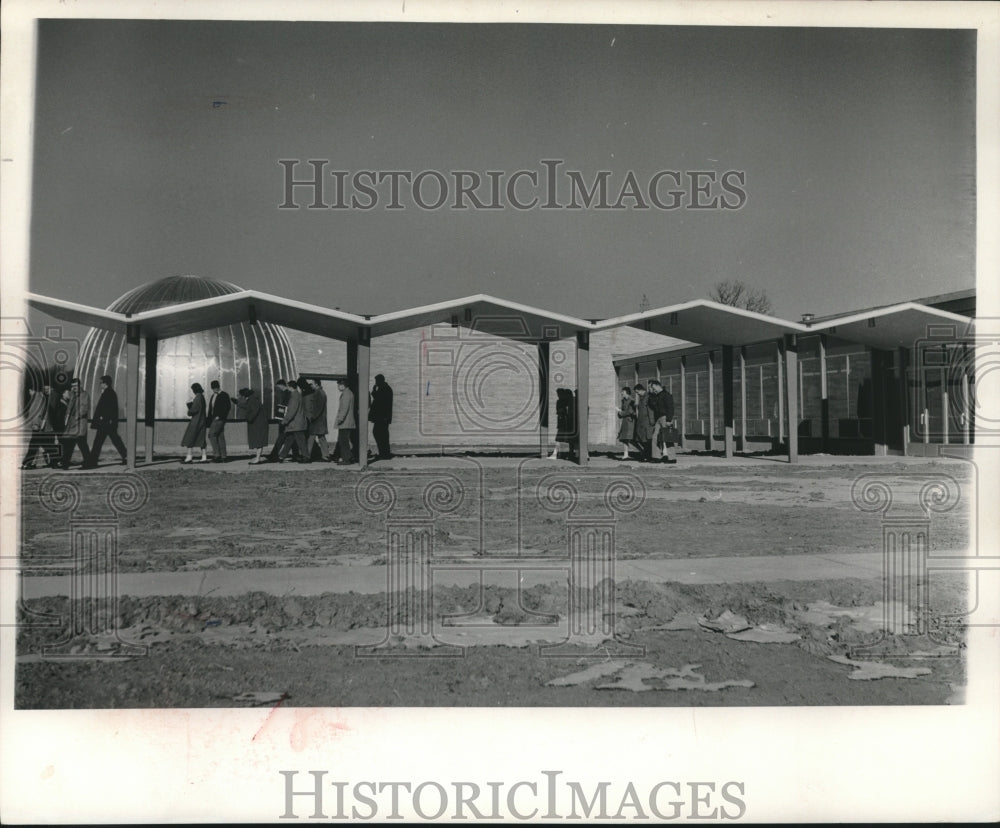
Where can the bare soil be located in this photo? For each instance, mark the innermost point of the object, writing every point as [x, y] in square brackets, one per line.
[205, 651]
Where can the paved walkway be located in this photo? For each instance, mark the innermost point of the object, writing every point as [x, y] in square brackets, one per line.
[450, 460]
[372, 579]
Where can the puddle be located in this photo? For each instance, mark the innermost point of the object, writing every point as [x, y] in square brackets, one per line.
[871, 670]
[642, 677]
[864, 619]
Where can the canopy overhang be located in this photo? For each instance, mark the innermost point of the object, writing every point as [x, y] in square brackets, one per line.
[701, 322]
[704, 322]
[483, 314]
[78, 314]
[898, 326]
[204, 314]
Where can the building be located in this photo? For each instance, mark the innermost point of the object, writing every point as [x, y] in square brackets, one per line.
[480, 371]
[238, 355]
[867, 382]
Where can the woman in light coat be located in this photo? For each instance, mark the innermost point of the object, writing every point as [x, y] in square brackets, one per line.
[195, 433]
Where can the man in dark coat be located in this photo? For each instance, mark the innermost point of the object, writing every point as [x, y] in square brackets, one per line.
[77, 419]
[316, 430]
[40, 420]
[380, 414]
[661, 404]
[218, 412]
[295, 424]
[105, 421]
[643, 423]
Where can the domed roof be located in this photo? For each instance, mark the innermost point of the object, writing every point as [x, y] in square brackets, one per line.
[242, 355]
[173, 290]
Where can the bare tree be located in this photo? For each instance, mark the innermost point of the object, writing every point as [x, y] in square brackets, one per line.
[737, 294]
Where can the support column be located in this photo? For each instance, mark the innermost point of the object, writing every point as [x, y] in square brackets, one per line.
[880, 426]
[944, 400]
[904, 393]
[824, 398]
[149, 395]
[682, 420]
[925, 413]
[583, 395]
[132, 392]
[352, 360]
[363, 370]
[711, 400]
[543, 399]
[792, 394]
[727, 400]
[779, 353]
[966, 402]
[760, 388]
[743, 398]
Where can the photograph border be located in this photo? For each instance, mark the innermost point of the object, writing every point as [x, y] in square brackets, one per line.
[210, 765]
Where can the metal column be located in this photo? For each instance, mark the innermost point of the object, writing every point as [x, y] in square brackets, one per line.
[583, 394]
[131, 393]
[543, 398]
[792, 395]
[149, 394]
[727, 400]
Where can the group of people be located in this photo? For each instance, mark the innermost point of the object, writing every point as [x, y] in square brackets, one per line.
[647, 423]
[301, 408]
[60, 422]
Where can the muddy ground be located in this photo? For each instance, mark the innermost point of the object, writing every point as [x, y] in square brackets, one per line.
[748, 643]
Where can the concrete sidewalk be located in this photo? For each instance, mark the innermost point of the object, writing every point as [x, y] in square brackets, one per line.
[367, 579]
[602, 459]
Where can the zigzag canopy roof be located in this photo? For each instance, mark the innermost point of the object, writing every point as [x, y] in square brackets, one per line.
[700, 321]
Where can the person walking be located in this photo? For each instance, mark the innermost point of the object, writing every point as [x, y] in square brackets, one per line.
[77, 420]
[626, 414]
[644, 423]
[106, 423]
[317, 428]
[251, 409]
[40, 420]
[194, 434]
[295, 425]
[565, 422]
[219, 407]
[344, 423]
[661, 403]
[280, 406]
[380, 415]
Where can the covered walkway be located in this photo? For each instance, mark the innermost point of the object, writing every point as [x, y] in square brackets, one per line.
[717, 329]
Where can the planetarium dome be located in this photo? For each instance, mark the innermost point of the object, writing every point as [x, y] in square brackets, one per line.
[243, 355]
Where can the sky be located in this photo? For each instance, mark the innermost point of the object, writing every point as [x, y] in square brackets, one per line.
[157, 149]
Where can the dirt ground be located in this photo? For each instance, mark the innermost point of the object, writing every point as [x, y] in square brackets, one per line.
[744, 642]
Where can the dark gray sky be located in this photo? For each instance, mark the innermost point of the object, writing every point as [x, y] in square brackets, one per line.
[857, 145]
